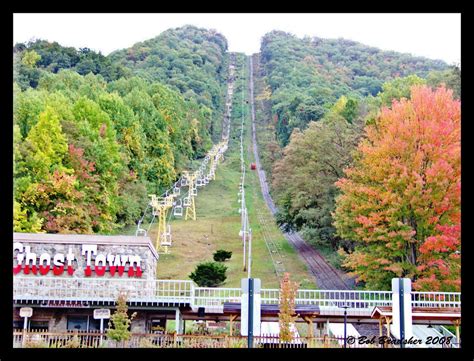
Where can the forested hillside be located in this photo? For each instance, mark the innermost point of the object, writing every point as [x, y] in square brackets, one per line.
[307, 76]
[326, 98]
[94, 138]
[361, 145]
[189, 59]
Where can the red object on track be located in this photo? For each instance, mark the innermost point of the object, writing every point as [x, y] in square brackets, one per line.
[253, 166]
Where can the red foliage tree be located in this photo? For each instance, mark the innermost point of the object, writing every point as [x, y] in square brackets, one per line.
[400, 202]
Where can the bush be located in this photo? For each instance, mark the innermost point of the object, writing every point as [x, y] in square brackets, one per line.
[209, 274]
[119, 322]
[221, 255]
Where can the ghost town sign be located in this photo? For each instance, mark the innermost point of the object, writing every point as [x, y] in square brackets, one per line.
[95, 262]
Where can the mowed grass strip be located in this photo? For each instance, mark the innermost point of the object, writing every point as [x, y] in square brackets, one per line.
[218, 223]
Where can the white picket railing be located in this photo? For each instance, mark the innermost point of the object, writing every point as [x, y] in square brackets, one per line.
[185, 292]
[436, 299]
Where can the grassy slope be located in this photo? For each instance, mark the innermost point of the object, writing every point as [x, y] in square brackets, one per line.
[218, 222]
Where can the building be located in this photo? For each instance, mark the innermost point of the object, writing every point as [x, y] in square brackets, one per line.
[65, 277]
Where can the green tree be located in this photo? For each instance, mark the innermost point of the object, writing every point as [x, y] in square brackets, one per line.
[30, 58]
[303, 179]
[119, 324]
[221, 255]
[209, 274]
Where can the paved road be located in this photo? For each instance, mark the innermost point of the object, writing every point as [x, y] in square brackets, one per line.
[326, 276]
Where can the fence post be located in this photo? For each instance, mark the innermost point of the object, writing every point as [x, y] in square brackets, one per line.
[23, 341]
[191, 301]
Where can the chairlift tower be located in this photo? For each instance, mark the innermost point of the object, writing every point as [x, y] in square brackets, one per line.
[189, 202]
[160, 206]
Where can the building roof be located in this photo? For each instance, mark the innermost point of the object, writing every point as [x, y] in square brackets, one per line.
[422, 313]
[85, 239]
[273, 309]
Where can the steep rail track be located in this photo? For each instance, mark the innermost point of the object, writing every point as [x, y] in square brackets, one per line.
[326, 276]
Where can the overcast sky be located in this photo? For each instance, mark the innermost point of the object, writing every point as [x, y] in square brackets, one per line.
[436, 36]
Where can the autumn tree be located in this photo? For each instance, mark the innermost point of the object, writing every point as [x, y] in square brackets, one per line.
[400, 202]
[286, 316]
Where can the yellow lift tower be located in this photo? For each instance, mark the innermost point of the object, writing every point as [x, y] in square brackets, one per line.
[188, 201]
[215, 154]
[161, 205]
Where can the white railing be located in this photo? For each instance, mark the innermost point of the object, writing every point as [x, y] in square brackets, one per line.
[355, 299]
[105, 289]
[436, 299]
[181, 291]
[209, 296]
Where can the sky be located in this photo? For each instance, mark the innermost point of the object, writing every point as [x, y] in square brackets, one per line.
[435, 36]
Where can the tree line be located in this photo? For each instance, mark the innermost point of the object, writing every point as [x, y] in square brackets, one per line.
[375, 177]
[92, 138]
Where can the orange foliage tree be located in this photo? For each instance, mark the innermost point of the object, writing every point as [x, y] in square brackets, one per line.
[400, 202]
[286, 316]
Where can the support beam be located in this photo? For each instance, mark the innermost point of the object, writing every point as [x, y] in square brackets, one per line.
[178, 321]
[309, 322]
[388, 320]
[231, 326]
[457, 323]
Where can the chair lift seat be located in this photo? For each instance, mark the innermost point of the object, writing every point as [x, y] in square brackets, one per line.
[141, 232]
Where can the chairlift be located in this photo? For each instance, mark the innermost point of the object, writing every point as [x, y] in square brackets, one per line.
[186, 201]
[176, 191]
[178, 209]
[140, 232]
[166, 240]
[184, 182]
[199, 182]
[194, 191]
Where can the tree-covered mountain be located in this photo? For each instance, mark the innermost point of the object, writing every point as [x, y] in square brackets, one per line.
[92, 138]
[189, 59]
[307, 76]
[325, 120]
[52, 57]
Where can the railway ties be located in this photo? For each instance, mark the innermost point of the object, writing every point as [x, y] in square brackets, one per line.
[326, 276]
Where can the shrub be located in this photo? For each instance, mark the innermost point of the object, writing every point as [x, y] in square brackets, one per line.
[120, 321]
[221, 255]
[209, 274]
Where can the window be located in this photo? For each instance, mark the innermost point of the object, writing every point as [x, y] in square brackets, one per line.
[32, 325]
[39, 325]
[78, 323]
[17, 325]
[84, 323]
[94, 325]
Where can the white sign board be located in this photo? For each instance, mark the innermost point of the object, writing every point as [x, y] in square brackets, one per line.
[26, 312]
[101, 313]
[244, 307]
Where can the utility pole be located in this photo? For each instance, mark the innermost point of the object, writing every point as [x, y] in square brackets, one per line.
[249, 258]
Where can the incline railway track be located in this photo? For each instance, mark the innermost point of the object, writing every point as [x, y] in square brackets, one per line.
[326, 276]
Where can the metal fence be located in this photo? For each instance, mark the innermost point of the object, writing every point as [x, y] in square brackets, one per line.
[91, 339]
[185, 292]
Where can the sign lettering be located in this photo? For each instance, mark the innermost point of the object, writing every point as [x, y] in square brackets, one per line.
[96, 263]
